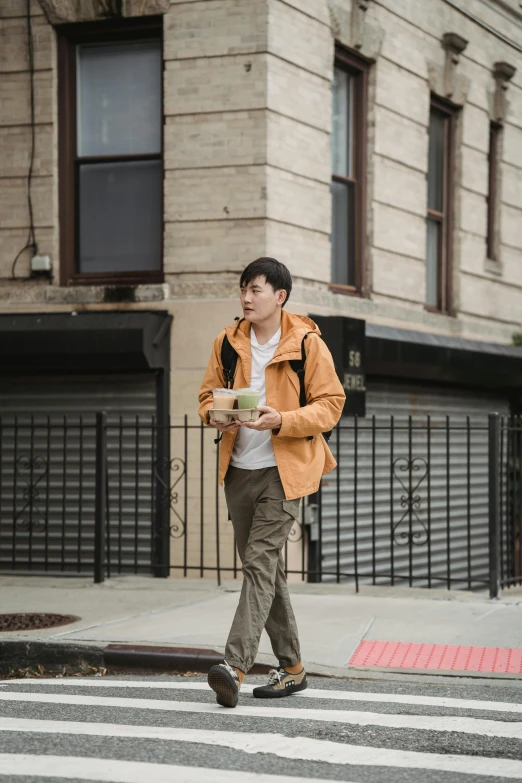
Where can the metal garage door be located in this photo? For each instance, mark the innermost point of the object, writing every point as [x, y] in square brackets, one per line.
[408, 503]
[47, 471]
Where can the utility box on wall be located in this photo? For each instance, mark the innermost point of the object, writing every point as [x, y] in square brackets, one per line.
[346, 337]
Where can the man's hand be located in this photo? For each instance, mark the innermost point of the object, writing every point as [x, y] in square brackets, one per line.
[269, 420]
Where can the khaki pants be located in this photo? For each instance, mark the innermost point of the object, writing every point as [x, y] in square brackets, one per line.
[262, 519]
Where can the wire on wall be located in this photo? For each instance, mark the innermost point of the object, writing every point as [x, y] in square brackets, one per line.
[31, 238]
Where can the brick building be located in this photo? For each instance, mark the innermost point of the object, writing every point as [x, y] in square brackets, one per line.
[149, 149]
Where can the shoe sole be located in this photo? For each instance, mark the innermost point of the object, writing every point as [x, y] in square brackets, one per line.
[223, 685]
[260, 693]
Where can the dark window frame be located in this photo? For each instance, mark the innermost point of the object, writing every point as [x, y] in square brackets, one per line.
[69, 36]
[445, 218]
[359, 68]
[495, 137]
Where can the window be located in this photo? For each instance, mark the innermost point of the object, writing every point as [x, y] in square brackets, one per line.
[495, 131]
[111, 169]
[440, 207]
[348, 173]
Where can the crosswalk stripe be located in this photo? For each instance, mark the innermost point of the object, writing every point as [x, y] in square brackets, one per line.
[296, 748]
[487, 728]
[310, 693]
[116, 771]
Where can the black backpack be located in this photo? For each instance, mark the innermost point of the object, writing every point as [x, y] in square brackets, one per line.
[229, 361]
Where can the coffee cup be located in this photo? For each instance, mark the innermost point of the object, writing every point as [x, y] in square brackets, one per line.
[247, 398]
[224, 399]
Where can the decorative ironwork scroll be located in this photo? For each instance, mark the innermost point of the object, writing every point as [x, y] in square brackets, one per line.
[30, 472]
[169, 496]
[410, 529]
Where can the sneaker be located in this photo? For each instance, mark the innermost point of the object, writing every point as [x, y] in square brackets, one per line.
[281, 683]
[224, 681]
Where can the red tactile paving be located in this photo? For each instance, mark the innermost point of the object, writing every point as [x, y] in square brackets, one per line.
[438, 657]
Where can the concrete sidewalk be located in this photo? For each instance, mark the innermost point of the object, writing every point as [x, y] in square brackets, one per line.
[195, 613]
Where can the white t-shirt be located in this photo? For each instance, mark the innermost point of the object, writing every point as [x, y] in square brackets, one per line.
[252, 449]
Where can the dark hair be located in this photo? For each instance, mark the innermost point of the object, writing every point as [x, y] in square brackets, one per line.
[274, 272]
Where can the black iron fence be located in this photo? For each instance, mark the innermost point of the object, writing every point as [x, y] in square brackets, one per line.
[430, 501]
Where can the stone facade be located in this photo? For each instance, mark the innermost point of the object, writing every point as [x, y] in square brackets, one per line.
[247, 102]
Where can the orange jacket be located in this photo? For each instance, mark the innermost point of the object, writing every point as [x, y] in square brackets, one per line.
[301, 462]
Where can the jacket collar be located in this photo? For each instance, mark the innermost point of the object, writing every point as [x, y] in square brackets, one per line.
[293, 329]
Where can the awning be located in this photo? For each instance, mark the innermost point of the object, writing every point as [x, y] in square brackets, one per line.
[79, 342]
[436, 357]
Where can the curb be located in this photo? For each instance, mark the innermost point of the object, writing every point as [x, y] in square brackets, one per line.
[179, 659]
[18, 654]
[133, 658]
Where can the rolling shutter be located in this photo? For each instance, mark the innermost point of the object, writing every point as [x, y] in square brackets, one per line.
[47, 472]
[440, 472]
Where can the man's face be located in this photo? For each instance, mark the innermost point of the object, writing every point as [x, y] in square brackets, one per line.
[259, 300]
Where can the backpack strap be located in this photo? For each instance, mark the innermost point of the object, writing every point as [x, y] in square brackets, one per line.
[228, 365]
[298, 366]
[228, 362]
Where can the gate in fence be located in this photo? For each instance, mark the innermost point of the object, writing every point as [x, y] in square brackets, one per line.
[422, 501]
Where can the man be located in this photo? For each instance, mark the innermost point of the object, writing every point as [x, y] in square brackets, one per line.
[268, 465]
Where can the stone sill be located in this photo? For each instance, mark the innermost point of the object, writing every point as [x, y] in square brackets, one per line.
[40, 293]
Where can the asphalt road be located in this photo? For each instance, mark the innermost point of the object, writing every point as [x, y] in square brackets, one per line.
[169, 728]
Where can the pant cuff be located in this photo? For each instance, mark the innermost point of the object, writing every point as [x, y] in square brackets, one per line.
[289, 662]
[237, 664]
